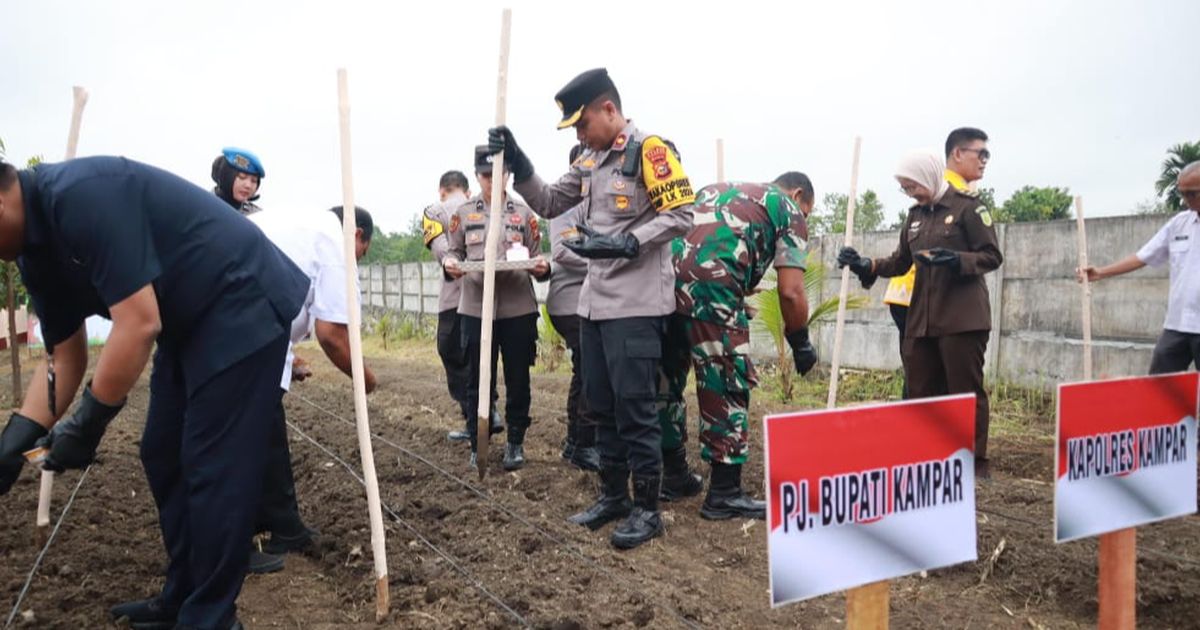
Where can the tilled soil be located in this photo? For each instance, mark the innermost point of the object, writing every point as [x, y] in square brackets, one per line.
[498, 553]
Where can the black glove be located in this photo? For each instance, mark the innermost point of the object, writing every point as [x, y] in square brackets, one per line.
[515, 160]
[803, 352]
[20, 435]
[860, 265]
[73, 440]
[940, 257]
[603, 245]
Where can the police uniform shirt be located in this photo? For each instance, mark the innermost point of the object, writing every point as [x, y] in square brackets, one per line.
[468, 241]
[312, 241]
[637, 186]
[945, 301]
[98, 229]
[435, 226]
[1175, 243]
[569, 268]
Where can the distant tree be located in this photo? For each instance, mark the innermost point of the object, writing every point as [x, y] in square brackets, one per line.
[830, 216]
[1178, 157]
[1036, 204]
[1152, 206]
[398, 247]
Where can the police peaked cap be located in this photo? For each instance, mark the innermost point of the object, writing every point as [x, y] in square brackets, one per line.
[483, 159]
[581, 91]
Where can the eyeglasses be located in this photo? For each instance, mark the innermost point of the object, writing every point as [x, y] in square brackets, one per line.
[910, 189]
[1188, 194]
[984, 154]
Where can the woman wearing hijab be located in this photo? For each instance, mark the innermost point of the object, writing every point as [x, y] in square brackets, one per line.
[949, 235]
[238, 174]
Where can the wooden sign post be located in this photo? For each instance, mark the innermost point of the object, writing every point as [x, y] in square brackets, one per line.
[720, 160]
[374, 509]
[483, 425]
[1118, 550]
[46, 489]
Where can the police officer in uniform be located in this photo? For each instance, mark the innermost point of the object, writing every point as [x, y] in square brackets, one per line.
[453, 191]
[514, 328]
[238, 174]
[168, 263]
[949, 235]
[562, 304]
[635, 198]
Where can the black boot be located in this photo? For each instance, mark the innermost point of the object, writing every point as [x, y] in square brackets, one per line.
[644, 522]
[459, 436]
[679, 482]
[496, 422]
[614, 500]
[261, 562]
[280, 544]
[726, 499]
[474, 461]
[586, 458]
[146, 614]
[514, 456]
[568, 448]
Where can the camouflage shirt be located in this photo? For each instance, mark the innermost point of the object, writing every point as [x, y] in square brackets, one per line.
[739, 231]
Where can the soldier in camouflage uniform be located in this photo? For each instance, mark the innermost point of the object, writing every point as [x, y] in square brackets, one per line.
[740, 231]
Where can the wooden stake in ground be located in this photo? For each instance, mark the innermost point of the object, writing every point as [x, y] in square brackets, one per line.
[1118, 550]
[378, 547]
[866, 606]
[482, 427]
[720, 160]
[46, 489]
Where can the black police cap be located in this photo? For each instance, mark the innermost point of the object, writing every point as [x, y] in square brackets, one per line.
[581, 91]
[483, 159]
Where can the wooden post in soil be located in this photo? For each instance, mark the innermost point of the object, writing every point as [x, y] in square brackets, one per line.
[378, 547]
[483, 425]
[1118, 550]
[720, 160]
[46, 489]
[866, 606]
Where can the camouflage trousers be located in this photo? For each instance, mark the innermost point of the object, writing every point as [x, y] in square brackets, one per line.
[724, 377]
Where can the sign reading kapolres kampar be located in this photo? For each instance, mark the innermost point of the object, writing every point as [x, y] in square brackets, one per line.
[870, 493]
[1126, 453]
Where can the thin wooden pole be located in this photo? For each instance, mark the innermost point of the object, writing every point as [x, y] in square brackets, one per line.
[483, 426]
[867, 605]
[720, 160]
[1118, 550]
[835, 360]
[378, 547]
[46, 488]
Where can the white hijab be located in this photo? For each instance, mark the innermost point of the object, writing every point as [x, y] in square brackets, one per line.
[927, 168]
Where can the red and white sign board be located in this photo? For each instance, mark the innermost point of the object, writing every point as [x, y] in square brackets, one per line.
[1126, 453]
[864, 494]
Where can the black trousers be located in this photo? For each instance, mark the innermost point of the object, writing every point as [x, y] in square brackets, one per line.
[951, 364]
[900, 318]
[581, 426]
[203, 456]
[1175, 352]
[279, 512]
[454, 358]
[620, 379]
[514, 338]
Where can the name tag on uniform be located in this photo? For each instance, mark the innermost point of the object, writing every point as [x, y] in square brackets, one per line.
[474, 237]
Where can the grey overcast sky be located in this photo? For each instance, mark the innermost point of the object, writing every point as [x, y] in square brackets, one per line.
[1081, 94]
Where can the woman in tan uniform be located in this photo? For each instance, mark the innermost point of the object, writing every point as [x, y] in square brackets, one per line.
[949, 235]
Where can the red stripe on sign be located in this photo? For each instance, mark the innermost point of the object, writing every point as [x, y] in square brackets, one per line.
[1113, 407]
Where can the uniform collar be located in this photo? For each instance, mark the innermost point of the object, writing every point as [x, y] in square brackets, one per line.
[36, 230]
[957, 181]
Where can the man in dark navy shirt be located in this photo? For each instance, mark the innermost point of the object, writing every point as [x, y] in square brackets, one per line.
[166, 261]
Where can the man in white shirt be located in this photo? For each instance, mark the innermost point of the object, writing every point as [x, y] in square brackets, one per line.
[314, 243]
[1178, 346]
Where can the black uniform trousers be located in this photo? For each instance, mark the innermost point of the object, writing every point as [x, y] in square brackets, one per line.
[581, 427]
[203, 456]
[514, 338]
[951, 364]
[454, 358]
[620, 379]
[279, 513]
[1175, 352]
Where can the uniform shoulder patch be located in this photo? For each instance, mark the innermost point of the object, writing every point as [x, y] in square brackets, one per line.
[984, 215]
[454, 221]
[666, 184]
[430, 228]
